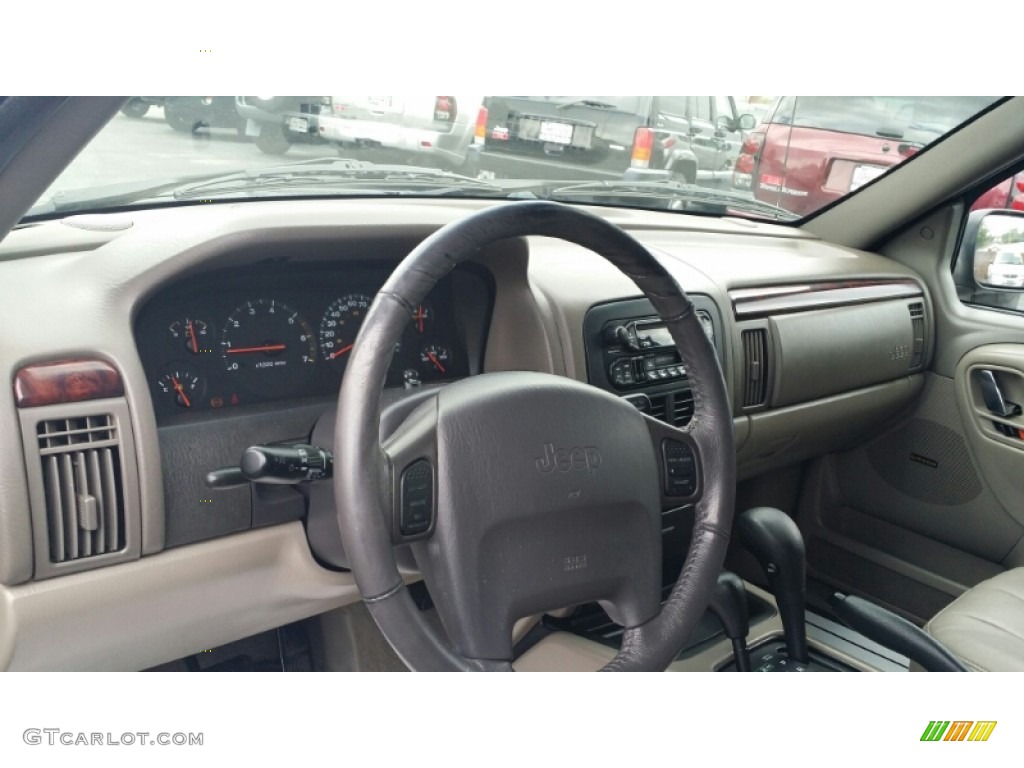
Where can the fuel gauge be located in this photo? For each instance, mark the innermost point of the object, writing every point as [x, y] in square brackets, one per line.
[183, 385]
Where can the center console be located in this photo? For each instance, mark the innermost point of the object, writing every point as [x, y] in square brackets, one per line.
[631, 353]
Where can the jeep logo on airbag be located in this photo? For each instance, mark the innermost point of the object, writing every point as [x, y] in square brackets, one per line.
[586, 459]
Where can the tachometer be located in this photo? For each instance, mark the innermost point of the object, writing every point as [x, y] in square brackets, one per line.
[269, 346]
[340, 325]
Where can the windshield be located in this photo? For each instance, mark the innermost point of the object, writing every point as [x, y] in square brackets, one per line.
[920, 119]
[714, 155]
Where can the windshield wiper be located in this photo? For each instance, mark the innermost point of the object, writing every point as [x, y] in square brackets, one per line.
[587, 103]
[677, 196]
[318, 172]
[313, 174]
[106, 196]
[889, 132]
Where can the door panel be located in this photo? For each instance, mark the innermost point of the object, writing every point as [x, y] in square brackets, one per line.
[912, 518]
[996, 439]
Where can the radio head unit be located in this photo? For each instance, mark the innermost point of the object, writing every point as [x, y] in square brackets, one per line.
[630, 352]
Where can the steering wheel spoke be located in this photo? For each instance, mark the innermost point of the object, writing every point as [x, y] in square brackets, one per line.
[679, 464]
[411, 455]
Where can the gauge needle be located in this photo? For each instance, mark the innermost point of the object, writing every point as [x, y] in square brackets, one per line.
[435, 361]
[192, 335]
[181, 391]
[419, 317]
[264, 348]
[340, 352]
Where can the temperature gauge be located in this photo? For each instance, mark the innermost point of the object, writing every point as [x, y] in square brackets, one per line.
[422, 317]
[195, 334]
[183, 385]
[436, 359]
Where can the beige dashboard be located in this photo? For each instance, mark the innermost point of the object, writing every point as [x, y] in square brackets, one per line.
[72, 289]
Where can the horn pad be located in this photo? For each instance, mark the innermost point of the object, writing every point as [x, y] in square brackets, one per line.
[548, 496]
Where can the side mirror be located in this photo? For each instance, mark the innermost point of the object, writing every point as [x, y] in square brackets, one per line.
[732, 124]
[990, 266]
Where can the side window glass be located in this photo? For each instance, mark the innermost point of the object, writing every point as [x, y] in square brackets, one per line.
[672, 106]
[990, 266]
[703, 108]
[723, 106]
[1007, 194]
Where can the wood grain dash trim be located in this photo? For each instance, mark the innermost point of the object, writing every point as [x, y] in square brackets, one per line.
[66, 381]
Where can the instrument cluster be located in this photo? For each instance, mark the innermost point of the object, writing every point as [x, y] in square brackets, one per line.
[242, 337]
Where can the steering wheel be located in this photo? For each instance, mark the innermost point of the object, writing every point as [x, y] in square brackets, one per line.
[522, 492]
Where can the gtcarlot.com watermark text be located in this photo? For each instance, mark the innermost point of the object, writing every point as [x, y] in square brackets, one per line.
[58, 737]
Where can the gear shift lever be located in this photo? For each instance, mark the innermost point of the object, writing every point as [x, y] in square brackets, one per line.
[774, 539]
[729, 604]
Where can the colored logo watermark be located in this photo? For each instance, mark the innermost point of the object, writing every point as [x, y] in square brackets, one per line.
[958, 730]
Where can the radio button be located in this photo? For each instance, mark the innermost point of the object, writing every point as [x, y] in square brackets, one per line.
[621, 373]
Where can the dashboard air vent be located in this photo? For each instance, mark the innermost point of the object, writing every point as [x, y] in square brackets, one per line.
[659, 407]
[675, 408]
[917, 323]
[755, 352]
[81, 479]
[81, 467]
[682, 407]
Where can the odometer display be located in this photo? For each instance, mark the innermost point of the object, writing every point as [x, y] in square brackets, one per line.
[269, 346]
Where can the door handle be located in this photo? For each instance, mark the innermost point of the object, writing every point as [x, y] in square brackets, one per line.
[994, 399]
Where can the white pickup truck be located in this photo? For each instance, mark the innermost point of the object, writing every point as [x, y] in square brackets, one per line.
[433, 131]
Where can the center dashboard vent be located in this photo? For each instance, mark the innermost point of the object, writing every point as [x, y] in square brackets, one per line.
[675, 408]
[755, 378]
[80, 460]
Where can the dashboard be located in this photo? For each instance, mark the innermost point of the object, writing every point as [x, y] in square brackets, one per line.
[226, 326]
[274, 332]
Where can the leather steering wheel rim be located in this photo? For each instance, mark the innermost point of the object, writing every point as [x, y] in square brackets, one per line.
[363, 478]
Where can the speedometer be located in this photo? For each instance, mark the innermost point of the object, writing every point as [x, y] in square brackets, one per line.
[270, 347]
[340, 325]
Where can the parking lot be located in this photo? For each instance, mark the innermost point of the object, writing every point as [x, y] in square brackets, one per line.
[137, 149]
[134, 150]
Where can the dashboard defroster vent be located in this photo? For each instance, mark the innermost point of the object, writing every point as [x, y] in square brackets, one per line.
[755, 353]
[81, 478]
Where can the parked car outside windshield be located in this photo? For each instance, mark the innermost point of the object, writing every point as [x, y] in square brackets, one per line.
[813, 150]
[695, 154]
